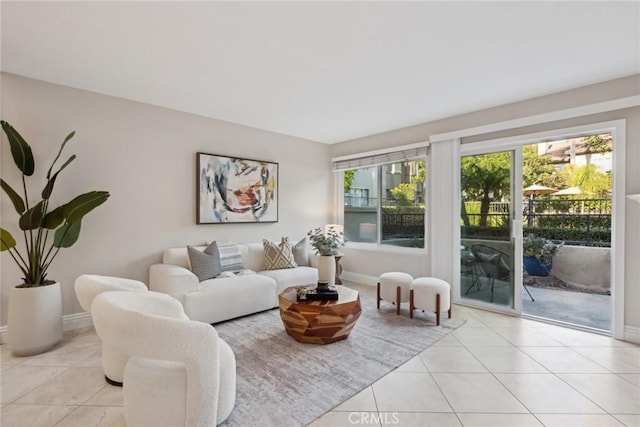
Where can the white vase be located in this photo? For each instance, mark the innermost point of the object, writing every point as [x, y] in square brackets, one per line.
[327, 270]
[35, 319]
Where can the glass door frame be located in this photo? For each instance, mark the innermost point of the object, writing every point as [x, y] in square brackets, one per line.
[479, 148]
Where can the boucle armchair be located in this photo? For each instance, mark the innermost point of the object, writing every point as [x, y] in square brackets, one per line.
[87, 287]
[180, 372]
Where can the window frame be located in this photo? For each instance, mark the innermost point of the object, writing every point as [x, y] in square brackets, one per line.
[379, 245]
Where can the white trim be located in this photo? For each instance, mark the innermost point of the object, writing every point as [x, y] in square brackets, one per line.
[618, 227]
[585, 110]
[501, 144]
[516, 227]
[457, 236]
[618, 131]
[381, 151]
[70, 322]
[632, 334]
[634, 197]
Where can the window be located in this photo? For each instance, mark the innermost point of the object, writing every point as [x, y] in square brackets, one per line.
[385, 203]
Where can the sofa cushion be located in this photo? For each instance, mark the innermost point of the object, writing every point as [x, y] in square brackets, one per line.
[292, 277]
[278, 256]
[203, 264]
[255, 256]
[301, 252]
[227, 298]
[229, 254]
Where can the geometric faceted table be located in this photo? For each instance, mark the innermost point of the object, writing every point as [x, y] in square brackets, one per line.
[320, 322]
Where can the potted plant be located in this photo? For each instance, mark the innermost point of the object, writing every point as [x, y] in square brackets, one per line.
[538, 255]
[35, 306]
[327, 245]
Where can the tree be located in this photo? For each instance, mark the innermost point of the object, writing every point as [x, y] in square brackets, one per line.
[599, 143]
[420, 175]
[486, 178]
[588, 178]
[537, 169]
[348, 179]
[404, 193]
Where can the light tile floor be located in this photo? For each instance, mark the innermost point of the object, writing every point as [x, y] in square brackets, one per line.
[495, 370]
[499, 370]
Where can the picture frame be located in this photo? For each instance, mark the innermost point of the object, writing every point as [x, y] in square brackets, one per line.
[235, 190]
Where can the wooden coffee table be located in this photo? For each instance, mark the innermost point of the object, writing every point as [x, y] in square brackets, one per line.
[320, 322]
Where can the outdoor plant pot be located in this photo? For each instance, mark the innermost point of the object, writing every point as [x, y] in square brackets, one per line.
[35, 319]
[535, 267]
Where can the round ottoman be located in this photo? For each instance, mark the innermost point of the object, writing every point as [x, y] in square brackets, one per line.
[430, 294]
[395, 287]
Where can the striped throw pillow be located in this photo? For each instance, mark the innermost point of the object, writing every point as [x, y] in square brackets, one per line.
[229, 255]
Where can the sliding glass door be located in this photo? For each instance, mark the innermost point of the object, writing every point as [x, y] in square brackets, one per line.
[490, 229]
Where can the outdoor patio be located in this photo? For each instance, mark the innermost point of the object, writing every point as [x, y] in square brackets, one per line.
[581, 308]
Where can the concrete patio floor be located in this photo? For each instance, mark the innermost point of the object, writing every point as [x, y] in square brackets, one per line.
[579, 308]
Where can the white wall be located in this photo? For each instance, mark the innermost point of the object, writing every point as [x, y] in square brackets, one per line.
[358, 261]
[145, 157]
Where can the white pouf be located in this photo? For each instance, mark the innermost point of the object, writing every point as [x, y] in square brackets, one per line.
[394, 286]
[430, 294]
[87, 287]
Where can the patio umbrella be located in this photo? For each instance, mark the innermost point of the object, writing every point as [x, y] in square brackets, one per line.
[532, 191]
[536, 190]
[571, 191]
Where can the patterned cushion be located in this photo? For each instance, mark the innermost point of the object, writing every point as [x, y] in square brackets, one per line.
[229, 255]
[203, 265]
[301, 253]
[278, 256]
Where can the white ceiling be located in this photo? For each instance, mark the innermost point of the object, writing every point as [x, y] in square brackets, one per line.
[327, 72]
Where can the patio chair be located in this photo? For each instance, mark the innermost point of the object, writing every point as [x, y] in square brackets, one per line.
[493, 264]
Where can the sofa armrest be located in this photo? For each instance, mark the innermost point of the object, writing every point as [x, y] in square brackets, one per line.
[173, 280]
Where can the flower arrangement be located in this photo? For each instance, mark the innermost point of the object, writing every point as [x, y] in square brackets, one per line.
[326, 244]
[539, 247]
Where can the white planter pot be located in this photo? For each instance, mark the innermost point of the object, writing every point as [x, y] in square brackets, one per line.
[327, 270]
[35, 319]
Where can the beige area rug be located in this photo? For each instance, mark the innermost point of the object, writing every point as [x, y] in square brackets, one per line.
[281, 382]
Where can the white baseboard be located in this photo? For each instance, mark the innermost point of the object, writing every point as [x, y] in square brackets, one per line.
[632, 334]
[359, 278]
[69, 323]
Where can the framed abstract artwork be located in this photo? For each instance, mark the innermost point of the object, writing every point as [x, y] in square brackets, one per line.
[233, 190]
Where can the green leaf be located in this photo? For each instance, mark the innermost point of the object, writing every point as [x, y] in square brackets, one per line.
[48, 189]
[17, 201]
[67, 235]
[59, 153]
[6, 240]
[31, 219]
[54, 218]
[76, 209]
[20, 150]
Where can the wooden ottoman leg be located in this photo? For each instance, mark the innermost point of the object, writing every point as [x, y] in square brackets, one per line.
[437, 309]
[411, 306]
[378, 295]
[398, 293]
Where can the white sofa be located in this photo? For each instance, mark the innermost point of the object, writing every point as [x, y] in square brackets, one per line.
[223, 298]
